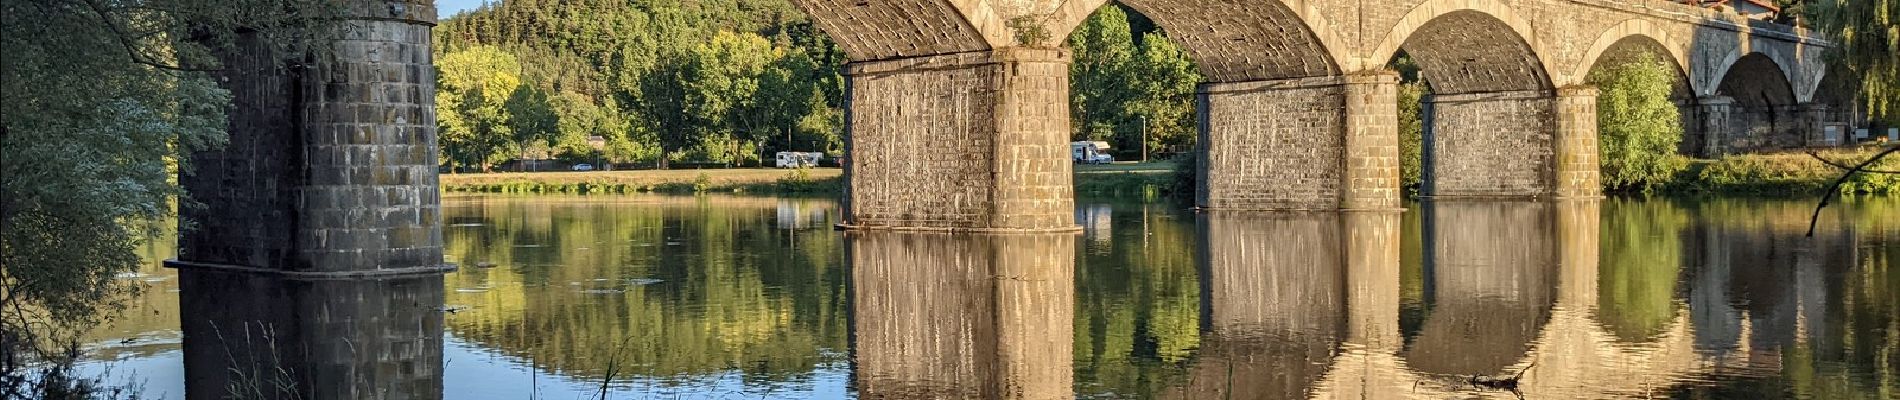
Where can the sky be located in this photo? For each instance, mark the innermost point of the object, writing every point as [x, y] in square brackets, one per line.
[445, 8]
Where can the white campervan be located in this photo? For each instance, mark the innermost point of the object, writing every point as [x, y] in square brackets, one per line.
[799, 159]
[1090, 152]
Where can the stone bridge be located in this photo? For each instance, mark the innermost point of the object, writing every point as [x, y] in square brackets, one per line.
[958, 109]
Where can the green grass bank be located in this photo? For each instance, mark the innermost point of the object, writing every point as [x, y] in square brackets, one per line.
[1772, 175]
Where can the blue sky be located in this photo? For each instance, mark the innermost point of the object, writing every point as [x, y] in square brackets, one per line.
[445, 8]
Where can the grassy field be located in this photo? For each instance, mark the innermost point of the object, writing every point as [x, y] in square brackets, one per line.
[640, 177]
[1100, 179]
[1145, 168]
[637, 181]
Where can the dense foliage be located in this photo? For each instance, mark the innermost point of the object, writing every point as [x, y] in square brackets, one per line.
[101, 99]
[1866, 36]
[1411, 134]
[1638, 126]
[649, 81]
[1120, 86]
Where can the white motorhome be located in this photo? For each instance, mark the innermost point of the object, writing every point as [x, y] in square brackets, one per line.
[799, 159]
[1090, 152]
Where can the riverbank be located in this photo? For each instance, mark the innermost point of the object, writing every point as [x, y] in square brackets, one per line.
[1774, 175]
[810, 180]
[1790, 174]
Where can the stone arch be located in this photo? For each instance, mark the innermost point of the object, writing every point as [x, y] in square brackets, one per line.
[1619, 37]
[1761, 114]
[1419, 16]
[1626, 49]
[1757, 80]
[1722, 67]
[1492, 126]
[1241, 40]
[877, 30]
[1468, 51]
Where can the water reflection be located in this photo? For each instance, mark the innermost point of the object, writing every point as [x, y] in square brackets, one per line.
[969, 316]
[1490, 268]
[741, 297]
[254, 336]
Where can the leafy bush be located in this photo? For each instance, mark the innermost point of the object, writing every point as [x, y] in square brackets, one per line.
[1638, 126]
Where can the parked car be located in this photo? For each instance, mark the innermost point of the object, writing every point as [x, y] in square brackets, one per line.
[583, 167]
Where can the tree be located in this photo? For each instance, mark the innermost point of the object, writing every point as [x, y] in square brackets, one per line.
[1638, 126]
[1119, 87]
[1163, 82]
[1866, 36]
[722, 92]
[1412, 133]
[472, 93]
[1103, 49]
[100, 104]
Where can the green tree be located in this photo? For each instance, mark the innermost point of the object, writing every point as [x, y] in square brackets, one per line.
[1412, 133]
[1103, 50]
[1866, 36]
[722, 83]
[1118, 87]
[473, 89]
[1163, 82]
[100, 104]
[1638, 126]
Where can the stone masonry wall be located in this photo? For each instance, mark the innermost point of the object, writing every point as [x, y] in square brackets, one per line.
[1491, 145]
[962, 141]
[1760, 128]
[1272, 144]
[333, 163]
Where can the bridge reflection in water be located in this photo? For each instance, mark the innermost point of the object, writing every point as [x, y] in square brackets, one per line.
[1587, 300]
[962, 315]
[254, 336]
[1304, 305]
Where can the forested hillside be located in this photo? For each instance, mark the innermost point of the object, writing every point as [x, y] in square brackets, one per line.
[727, 81]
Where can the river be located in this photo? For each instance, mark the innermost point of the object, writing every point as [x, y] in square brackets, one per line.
[758, 297]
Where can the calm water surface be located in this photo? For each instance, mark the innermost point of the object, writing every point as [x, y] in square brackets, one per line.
[753, 297]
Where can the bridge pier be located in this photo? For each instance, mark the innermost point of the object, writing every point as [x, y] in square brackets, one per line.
[1321, 143]
[1492, 145]
[972, 141]
[1714, 111]
[1813, 119]
[1578, 169]
[327, 188]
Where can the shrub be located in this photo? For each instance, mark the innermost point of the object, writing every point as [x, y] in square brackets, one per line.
[1638, 125]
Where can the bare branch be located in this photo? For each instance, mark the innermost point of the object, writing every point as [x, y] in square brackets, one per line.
[1835, 189]
[1837, 164]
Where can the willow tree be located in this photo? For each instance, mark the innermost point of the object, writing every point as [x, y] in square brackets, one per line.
[1638, 126]
[1866, 35]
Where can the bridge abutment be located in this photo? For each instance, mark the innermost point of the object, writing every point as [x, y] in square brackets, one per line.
[1492, 145]
[965, 141]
